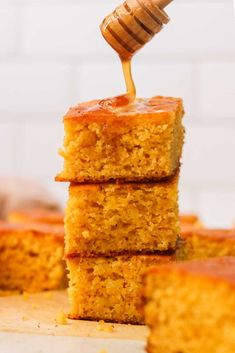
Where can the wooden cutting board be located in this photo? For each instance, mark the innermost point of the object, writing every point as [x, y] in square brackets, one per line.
[36, 314]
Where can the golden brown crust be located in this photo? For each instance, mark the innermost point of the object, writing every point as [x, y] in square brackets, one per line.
[133, 180]
[36, 215]
[91, 318]
[218, 269]
[161, 256]
[214, 234]
[189, 219]
[37, 229]
[156, 108]
[125, 184]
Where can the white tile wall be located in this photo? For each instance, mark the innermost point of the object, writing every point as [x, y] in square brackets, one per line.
[197, 27]
[28, 86]
[75, 28]
[40, 144]
[8, 29]
[7, 147]
[52, 56]
[209, 155]
[217, 206]
[218, 88]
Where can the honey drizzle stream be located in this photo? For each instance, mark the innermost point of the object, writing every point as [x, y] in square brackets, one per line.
[130, 86]
[125, 100]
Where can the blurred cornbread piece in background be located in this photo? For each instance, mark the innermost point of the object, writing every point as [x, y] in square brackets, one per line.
[190, 219]
[38, 215]
[31, 257]
[202, 243]
[105, 219]
[109, 288]
[139, 142]
[189, 307]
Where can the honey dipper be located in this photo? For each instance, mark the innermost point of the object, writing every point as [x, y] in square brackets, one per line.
[134, 23]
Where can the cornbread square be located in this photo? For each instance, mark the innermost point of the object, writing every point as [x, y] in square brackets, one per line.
[190, 220]
[31, 257]
[109, 288]
[38, 215]
[142, 141]
[202, 243]
[106, 219]
[190, 306]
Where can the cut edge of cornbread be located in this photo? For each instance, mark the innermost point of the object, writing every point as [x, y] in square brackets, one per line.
[109, 288]
[108, 219]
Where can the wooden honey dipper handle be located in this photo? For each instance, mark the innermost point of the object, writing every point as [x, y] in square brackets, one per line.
[134, 23]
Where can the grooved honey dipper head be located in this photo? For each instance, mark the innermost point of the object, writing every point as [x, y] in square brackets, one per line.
[134, 23]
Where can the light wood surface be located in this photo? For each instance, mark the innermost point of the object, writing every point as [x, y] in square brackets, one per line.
[36, 314]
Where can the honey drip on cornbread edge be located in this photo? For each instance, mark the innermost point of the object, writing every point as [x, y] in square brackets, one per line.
[127, 29]
[123, 100]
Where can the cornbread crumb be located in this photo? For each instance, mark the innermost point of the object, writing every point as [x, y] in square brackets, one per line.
[102, 326]
[61, 318]
[111, 219]
[142, 143]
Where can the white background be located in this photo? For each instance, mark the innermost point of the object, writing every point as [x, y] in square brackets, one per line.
[52, 56]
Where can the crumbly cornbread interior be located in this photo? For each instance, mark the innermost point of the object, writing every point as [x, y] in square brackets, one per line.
[31, 262]
[109, 288]
[109, 218]
[188, 313]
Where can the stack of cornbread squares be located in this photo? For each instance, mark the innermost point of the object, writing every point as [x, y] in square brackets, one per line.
[122, 212]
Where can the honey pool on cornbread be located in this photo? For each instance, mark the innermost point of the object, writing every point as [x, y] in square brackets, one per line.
[137, 142]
